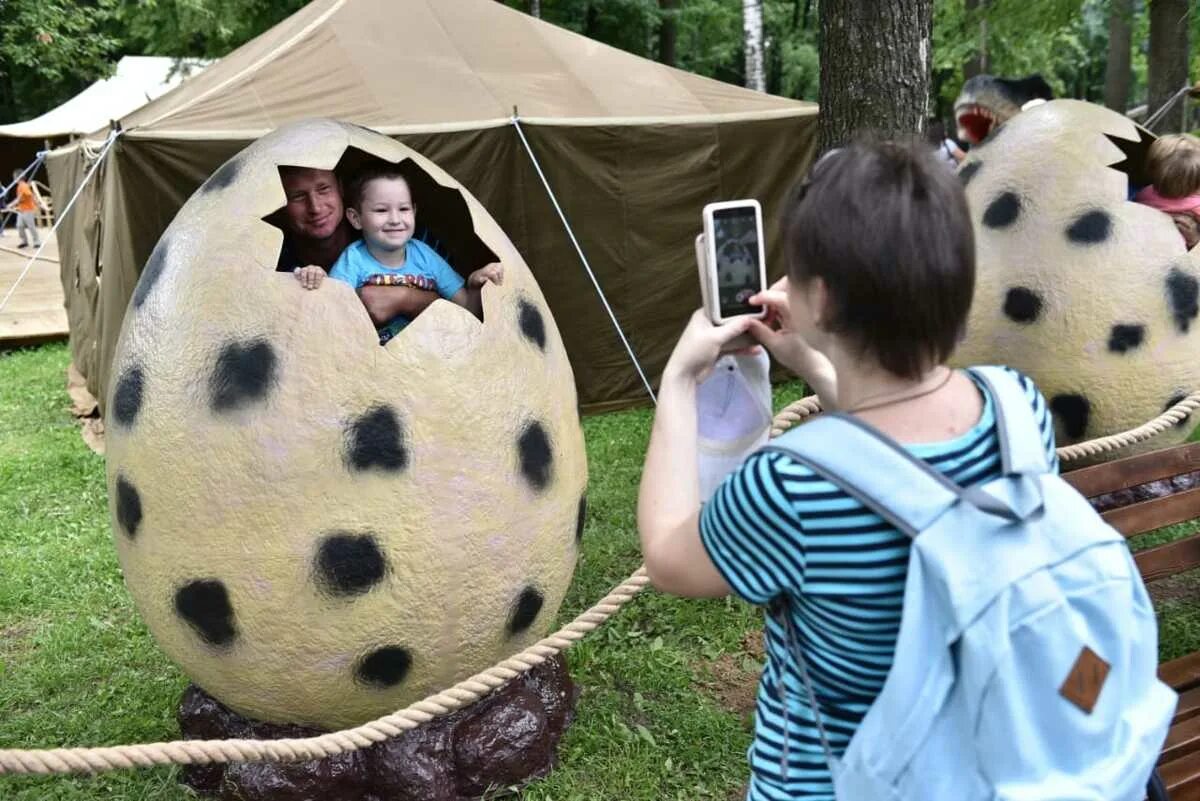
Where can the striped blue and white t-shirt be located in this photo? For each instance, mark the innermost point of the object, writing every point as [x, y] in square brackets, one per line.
[775, 527]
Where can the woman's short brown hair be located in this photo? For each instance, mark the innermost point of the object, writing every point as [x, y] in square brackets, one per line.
[887, 229]
[1173, 163]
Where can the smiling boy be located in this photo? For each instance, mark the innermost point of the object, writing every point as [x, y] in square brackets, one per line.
[380, 205]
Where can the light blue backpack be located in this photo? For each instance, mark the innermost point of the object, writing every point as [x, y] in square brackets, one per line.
[1026, 664]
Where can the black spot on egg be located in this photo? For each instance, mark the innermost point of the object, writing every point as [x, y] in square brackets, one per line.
[967, 171]
[1002, 211]
[205, 605]
[1072, 411]
[1022, 304]
[537, 461]
[245, 372]
[1124, 338]
[223, 177]
[1091, 228]
[581, 518]
[127, 400]
[384, 667]
[1176, 398]
[1182, 293]
[129, 507]
[533, 326]
[375, 441]
[348, 564]
[151, 272]
[525, 610]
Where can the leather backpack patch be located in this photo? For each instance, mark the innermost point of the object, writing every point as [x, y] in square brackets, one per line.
[1085, 681]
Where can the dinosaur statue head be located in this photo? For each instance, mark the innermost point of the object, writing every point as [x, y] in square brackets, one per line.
[987, 102]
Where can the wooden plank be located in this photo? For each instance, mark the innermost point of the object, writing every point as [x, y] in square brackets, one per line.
[1182, 673]
[1182, 739]
[1155, 513]
[1134, 470]
[1182, 777]
[1188, 706]
[35, 312]
[1170, 559]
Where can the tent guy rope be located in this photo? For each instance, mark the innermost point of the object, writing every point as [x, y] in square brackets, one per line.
[62, 215]
[466, 692]
[516, 121]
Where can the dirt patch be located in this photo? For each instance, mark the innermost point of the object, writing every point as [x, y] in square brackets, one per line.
[732, 678]
[738, 793]
[1182, 588]
[14, 639]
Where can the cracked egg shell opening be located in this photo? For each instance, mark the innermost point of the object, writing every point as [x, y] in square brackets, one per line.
[317, 529]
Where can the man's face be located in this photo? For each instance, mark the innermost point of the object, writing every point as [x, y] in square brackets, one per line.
[314, 202]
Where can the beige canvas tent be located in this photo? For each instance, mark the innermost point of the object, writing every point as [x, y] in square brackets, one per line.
[631, 149]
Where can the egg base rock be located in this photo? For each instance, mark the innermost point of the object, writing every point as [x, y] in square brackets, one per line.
[509, 738]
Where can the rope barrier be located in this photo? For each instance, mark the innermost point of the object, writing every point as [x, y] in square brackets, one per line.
[466, 692]
[796, 412]
[204, 752]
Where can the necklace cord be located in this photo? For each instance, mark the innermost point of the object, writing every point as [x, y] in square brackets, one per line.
[914, 396]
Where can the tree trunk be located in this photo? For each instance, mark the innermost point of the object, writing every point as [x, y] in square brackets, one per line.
[1168, 60]
[977, 64]
[875, 67]
[668, 31]
[752, 37]
[535, 8]
[1118, 72]
[590, 19]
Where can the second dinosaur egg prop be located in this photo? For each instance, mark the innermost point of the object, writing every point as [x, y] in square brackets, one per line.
[318, 529]
[1090, 294]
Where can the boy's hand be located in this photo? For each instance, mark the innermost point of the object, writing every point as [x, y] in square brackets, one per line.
[493, 272]
[310, 277]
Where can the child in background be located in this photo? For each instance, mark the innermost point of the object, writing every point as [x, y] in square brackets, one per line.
[380, 205]
[1173, 163]
[26, 206]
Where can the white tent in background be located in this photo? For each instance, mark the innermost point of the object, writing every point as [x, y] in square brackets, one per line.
[137, 81]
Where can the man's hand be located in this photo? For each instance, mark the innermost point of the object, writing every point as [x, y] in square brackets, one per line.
[493, 272]
[310, 277]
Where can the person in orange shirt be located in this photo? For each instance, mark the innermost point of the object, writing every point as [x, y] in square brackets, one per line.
[26, 206]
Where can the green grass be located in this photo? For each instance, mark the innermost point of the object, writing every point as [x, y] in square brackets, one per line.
[78, 668]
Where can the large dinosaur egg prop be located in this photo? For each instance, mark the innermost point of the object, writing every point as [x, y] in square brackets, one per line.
[1092, 295]
[315, 528]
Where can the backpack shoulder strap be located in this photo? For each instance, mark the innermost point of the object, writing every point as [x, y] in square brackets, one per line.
[872, 468]
[1022, 451]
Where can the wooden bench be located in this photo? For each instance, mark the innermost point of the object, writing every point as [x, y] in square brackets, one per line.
[1179, 764]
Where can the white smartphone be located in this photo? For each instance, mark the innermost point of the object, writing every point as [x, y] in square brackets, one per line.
[734, 267]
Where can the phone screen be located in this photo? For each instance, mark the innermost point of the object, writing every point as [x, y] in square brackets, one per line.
[735, 241]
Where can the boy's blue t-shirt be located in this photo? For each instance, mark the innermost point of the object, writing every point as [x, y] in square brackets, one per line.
[356, 265]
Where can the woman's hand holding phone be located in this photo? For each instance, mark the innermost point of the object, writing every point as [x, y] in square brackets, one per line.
[701, 344]
[791, 350]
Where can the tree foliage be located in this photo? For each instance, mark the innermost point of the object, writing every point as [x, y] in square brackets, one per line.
[1063, 40]
[50, 49]
[193, 28]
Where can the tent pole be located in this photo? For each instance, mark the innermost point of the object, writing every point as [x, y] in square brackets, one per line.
[112, 137]
[595, 283]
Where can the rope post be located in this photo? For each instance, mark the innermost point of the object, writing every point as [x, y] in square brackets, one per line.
[516, 121]
[112, 137]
